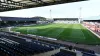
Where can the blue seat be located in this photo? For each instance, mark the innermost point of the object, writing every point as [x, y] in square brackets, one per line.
[88, 54]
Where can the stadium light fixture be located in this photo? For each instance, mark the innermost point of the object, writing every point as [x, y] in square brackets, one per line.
[50, 14]
[80, 12]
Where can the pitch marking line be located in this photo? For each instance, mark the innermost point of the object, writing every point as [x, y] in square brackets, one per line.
[92, 32]
[82, 33]
[63, 30]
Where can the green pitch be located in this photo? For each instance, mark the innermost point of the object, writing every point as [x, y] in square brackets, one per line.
[65, 32]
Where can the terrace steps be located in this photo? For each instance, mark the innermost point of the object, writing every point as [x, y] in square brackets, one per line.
[49, 53]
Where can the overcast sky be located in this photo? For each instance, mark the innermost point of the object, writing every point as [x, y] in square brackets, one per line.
[69, 10]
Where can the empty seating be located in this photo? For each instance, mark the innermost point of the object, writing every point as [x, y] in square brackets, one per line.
[15, 46]
[85, 50]
[88, 54]
[12, 45]
[65, 53]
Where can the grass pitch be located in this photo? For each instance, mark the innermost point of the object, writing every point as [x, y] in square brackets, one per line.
[66, 32]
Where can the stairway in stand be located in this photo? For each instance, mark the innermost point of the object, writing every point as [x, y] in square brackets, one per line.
[49, 53]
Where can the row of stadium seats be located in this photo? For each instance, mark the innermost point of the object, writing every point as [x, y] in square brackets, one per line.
[85, 50]
[35, 46]
[67, 22]
[87, 54]
[69, 54]
[26, 38]
[23, 48]
[64, 52]
[9, 24]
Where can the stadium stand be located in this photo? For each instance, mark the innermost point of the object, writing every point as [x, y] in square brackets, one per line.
[18, 21]
[14, 46]
[93, 25]
[64, 52]
[22, 47]
[66, 20]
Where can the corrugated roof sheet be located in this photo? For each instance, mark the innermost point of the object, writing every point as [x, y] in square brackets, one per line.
[8, 5]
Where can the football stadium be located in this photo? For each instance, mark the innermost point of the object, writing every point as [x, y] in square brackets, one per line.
[66, 32]
[50, 34]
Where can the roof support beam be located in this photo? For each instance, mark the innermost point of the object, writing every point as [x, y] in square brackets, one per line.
[22, 4]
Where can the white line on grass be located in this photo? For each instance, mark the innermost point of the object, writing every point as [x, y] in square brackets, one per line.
[91, 32]
[82, 33]
[59, 31]
[62, 30]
